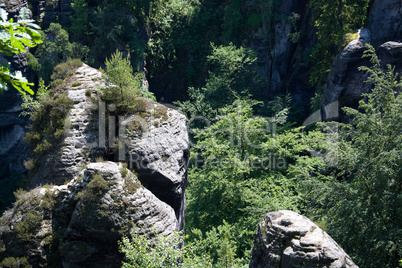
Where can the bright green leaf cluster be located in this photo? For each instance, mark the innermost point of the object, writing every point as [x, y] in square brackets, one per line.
[14, 37]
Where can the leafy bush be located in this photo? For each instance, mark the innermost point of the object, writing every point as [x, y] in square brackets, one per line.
[76, 84]
[55, 49]
[64, 69]
[11, 262]
[140, 251]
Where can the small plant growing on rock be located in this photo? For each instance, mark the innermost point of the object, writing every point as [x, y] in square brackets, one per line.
[88, 93]
[76, 84]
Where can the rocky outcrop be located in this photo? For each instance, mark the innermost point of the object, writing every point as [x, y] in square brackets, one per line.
[79, 224]
[157, 144]
[153, 141]
[289, 240]
[82, 131]
[346, 84]
[385, 21]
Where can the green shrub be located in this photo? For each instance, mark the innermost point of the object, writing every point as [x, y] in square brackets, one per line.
[93, 190]
[88, 93]
[140, 251]
[43, 147]
[64, 69]
[76, 84]
[124, 172]
[30, 164]
[11, 262]
[26, 228]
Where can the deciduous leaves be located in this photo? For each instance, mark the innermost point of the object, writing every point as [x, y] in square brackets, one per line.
[14, 37]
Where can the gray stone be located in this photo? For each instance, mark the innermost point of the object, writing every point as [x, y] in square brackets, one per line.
[385, 21]
[345, 83]
[86, 220]
[288, 240]
[158, 148]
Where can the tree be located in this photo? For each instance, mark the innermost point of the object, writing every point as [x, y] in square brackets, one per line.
[14, 37]
[55, 49]
[360, 201]
[233, 75]
[123, 86]
[237, 174]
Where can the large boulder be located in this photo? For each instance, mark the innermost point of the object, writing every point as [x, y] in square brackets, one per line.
[346, 84]
[79, 224]
[288, 240]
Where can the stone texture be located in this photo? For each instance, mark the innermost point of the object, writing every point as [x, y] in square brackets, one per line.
[83, 225]
[385, 21]
[345, 83]
[82, 132]
[157, 144]
[288, 240]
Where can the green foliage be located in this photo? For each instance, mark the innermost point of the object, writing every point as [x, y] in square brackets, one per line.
[79, 20]
[333, 19]
[95, 188]
[237, 175]
[14, 37]
[30, 105]
[364, 215]
[65, 69]
[122, 89]
[33, 207]
[55, 49]
[234, 74]
[47, 114]
[12, 262]
[140, 251]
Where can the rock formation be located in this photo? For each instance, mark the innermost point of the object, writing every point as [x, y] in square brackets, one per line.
[159, 152]
[79, 224]
[82, 131]
[154, 142]
[289, 240]
[385, 21]
[346, 84]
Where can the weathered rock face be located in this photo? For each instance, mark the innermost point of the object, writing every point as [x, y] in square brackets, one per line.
[155, 142]
[346, 84]
[385, 21]
[82, 132]
[12, 132]
[80, 224]
[158, 148]
[12, 125]
[289, 240]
